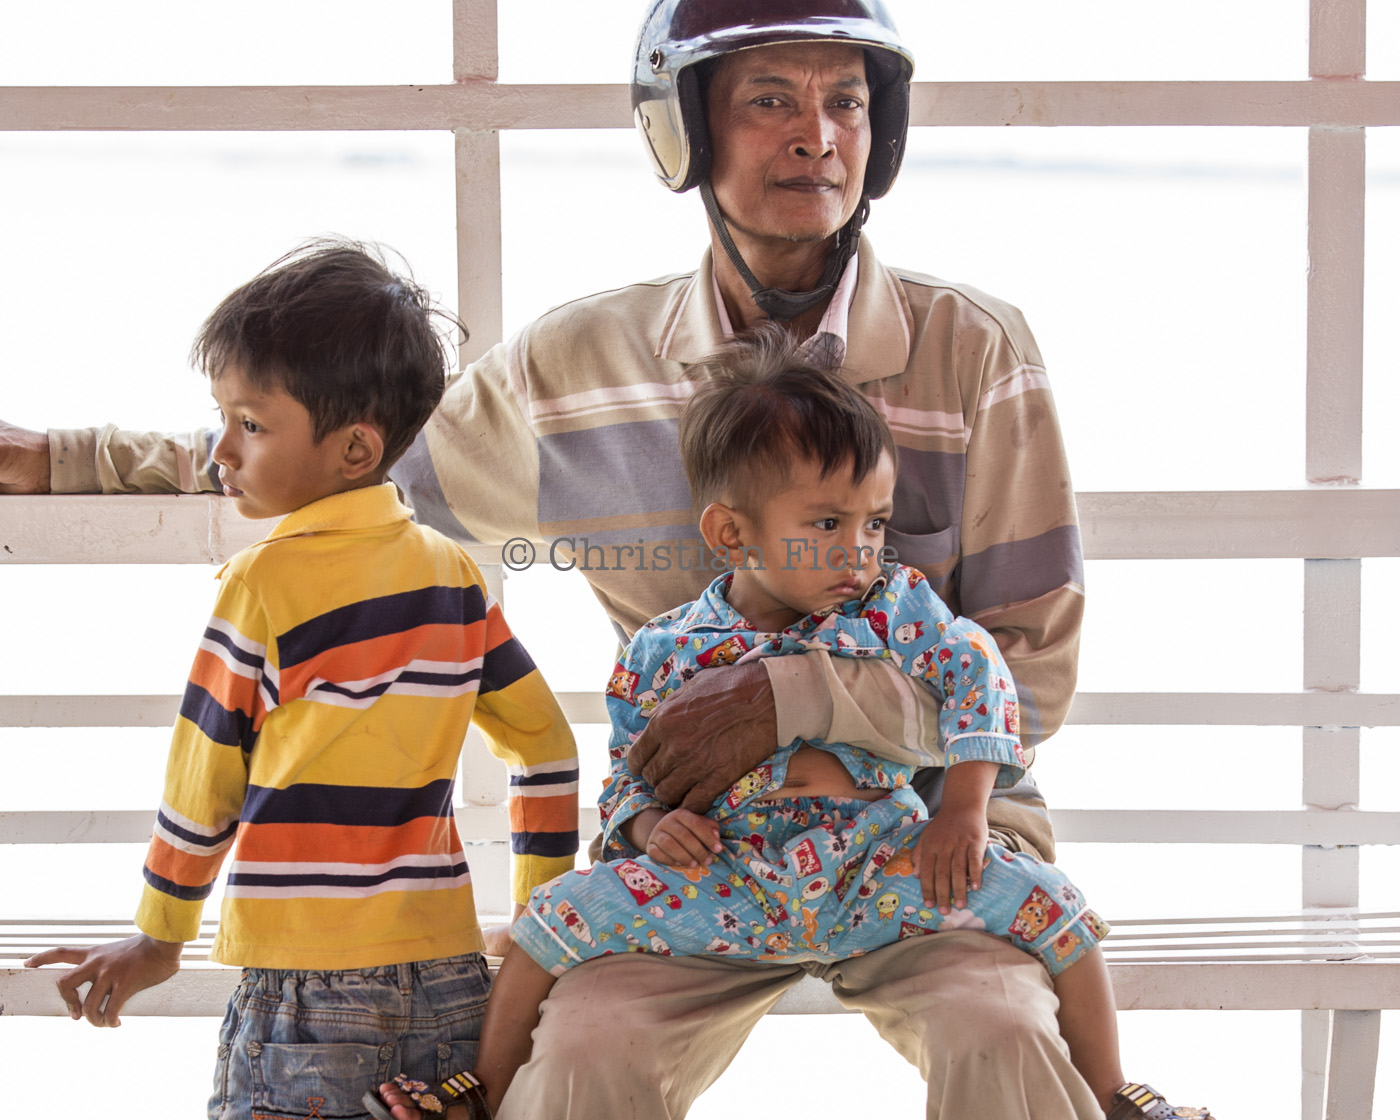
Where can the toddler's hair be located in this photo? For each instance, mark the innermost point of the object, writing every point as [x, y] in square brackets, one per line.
[763, 402]
[335, 327]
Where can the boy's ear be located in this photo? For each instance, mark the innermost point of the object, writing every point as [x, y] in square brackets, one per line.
[363, 450]
[719, 525]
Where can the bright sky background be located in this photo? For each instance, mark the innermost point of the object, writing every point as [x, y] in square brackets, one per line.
[1163, 271]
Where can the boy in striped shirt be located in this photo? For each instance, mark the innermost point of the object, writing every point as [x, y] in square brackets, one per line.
[319, 733]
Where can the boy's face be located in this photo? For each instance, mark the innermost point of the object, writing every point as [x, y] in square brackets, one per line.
[269, 462]
[819, 540]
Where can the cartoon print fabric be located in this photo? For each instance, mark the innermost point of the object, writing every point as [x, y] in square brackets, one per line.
[815, 879]
[899, 620]
[807, 878]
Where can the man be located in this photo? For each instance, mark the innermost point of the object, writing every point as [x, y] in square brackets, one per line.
[788, 127]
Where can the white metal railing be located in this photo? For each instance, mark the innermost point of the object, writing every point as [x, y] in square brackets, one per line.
[1301, 523]
[1329, 525]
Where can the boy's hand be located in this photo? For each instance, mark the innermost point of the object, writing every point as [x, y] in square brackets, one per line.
[684, 839]
[950, 856]
[117, 972]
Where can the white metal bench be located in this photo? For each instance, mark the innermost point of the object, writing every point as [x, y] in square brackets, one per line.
[1343, 964]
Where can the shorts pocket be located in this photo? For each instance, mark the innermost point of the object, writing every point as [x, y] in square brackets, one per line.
[316, 1080]
[454, 1057]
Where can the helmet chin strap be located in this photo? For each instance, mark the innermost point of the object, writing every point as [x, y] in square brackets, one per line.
[779, 303]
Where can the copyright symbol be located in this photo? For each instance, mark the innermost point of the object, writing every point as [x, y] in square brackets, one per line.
[517, 554]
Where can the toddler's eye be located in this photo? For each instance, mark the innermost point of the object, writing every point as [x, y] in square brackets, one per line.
[826, 523]
[249, 426]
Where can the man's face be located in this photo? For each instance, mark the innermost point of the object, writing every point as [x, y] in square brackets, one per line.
[789, 136]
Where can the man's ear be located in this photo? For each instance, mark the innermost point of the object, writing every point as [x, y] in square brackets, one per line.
[363, 450]
[720, 526]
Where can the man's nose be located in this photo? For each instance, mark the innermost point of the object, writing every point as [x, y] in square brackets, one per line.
[815, 133]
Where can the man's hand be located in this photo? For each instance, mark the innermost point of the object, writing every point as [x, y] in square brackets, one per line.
[684, 839]
[707, 736]
[117, 972]
[24, 461]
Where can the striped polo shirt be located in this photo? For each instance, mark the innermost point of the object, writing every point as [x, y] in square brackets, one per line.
[318, 741]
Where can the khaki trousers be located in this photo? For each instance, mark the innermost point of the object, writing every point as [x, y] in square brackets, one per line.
[639, 1036]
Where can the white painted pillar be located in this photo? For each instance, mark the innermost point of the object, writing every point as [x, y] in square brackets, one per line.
[482, 779]
[475, 58]
[1332, 588]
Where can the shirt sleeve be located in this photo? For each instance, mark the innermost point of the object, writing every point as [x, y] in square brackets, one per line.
[630, 701]
[225, 702]
[481, 430]
[980, 717]
[111, 461]
[1021, 575]
[525, 728]
[864, 702]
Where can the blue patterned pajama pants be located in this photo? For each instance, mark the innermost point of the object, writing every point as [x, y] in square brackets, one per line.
[801, 878]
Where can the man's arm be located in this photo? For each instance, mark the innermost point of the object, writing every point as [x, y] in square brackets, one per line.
[105, 460]
[24, 461]
[473, 471]
[723, 724]
[1022, 570]
[1021, 573]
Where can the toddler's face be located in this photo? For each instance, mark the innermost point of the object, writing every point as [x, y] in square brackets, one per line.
[813, 544]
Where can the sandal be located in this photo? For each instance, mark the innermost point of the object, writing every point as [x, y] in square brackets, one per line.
[461, 1088]
[1142, 1102]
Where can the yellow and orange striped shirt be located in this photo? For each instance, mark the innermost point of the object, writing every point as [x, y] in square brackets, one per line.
[319, 736]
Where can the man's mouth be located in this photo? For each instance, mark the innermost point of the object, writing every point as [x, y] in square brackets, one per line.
[812, 186]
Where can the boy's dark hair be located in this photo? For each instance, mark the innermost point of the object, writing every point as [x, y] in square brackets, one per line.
[341, 333]
[763, 402]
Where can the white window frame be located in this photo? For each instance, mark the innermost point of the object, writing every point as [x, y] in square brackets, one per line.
[1330, 523]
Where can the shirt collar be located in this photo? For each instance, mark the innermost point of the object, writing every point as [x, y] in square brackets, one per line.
[838, 311]
[868, 313]
[352, 509]
[712, 611]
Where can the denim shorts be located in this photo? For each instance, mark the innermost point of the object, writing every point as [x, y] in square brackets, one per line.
[307, 1045]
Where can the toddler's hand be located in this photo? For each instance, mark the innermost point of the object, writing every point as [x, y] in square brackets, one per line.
[684, 839]
[950, 856]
